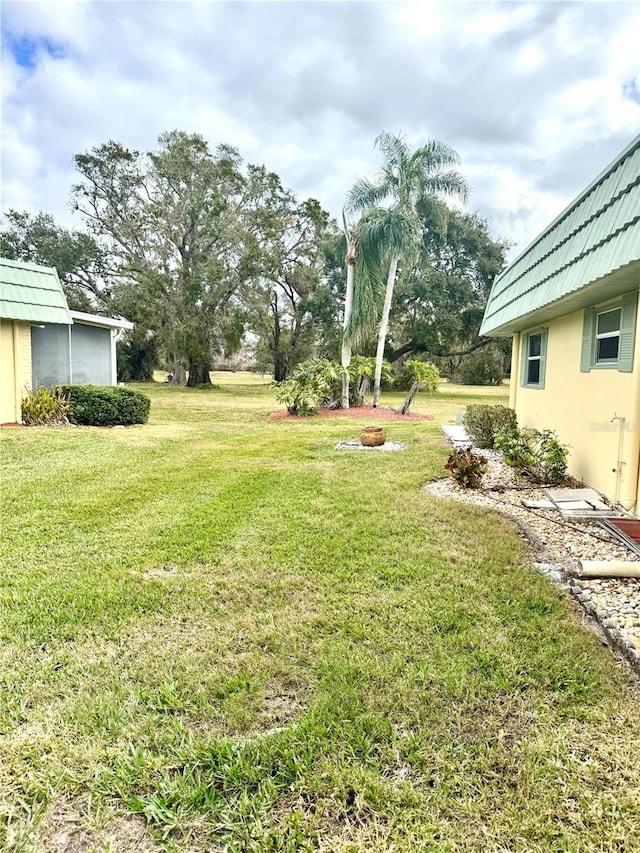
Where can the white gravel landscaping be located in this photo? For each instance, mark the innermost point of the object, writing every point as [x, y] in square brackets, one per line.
[558, 546]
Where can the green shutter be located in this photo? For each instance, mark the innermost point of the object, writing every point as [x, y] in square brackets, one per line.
[628, 332]
[543, 357]
[586, 354]
[524, 352]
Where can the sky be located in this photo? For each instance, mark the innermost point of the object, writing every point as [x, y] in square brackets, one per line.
[537, 98]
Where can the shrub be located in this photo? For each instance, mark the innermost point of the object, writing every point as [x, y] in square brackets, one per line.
[482, 423]
[466, 467]
[45, 408]
[106, 405]
[426, 377]
[313, 383]
[317, 382]
[483, 367]
[536, 454]
[362, 371]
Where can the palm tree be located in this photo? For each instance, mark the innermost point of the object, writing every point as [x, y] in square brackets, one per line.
[351, 242]
[378, 232]
[403, 180]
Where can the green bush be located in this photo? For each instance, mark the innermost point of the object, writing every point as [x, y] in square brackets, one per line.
[317, 383]
[537, 454]
[466, 467]
[106, 405]
[483, 367]
[482, 423]
[313, 383]
[45, 408]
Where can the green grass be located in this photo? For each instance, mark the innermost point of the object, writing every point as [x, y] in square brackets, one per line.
[220, 634]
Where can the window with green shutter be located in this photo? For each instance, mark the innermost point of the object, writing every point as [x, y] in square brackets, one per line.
[609, 334]
[534, 357]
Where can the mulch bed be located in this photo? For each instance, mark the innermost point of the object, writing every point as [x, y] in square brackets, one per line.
[358, 413]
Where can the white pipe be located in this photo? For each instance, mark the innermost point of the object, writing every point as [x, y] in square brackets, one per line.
[515, 370]
[609, 569]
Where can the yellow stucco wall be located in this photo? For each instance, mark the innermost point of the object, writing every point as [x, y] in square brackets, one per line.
[15, 368]
[580, 407]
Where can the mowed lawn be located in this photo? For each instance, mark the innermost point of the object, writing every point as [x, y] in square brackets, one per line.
[218, 633]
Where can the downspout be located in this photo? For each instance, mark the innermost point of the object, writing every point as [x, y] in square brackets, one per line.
[17, 406]
[515, 370]
[114, 363]
[70, 360]
[631, 454]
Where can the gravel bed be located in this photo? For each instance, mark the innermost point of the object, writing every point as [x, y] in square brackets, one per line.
[355, 445]
[558, 546]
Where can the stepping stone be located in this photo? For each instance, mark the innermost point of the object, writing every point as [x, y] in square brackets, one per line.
[457, 435]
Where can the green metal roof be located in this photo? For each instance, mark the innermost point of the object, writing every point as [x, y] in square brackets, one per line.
[590, 253]
[32, 293]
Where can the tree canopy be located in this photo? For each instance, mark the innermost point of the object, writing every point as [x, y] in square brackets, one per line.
[207, 254]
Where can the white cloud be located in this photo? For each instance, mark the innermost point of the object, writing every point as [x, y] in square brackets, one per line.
[531, 95]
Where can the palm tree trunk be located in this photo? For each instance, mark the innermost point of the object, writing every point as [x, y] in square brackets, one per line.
[384, 328]
[348, 304]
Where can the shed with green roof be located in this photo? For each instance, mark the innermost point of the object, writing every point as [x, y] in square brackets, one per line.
[42, 342]
[30, 295]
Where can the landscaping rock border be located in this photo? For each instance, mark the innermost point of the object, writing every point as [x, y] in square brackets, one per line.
[556, 548]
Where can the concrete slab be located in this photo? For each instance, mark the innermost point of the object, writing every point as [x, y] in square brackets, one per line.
[457, 435]
[590, 496]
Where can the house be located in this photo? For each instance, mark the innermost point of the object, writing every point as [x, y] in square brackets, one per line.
[570, 300]
[42, 342]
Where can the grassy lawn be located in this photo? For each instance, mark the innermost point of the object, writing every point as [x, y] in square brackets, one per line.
[220, 634]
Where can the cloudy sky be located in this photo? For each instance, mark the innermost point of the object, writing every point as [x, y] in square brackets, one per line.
[536, 98]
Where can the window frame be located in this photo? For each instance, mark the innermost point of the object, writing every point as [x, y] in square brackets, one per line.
[600, 336]
[628, 307]
[527, 358]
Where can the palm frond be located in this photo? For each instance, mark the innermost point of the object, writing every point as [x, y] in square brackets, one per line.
[435, 155]
[362, 195]
[383, 232]
[367, 298]
[394, 150]
[451, 184]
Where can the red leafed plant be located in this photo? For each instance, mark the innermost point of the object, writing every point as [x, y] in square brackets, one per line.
[466, 467]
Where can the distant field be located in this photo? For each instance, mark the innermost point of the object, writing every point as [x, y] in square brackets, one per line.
[220, 634]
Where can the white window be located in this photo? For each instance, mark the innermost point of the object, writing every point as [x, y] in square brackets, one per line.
[608, 336]
[534, 356]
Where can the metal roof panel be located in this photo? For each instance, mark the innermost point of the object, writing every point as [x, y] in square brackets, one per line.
[597, 234]
[31, 293]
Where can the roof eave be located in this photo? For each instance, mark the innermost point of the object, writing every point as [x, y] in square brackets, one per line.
[98, 320]
[611, 286]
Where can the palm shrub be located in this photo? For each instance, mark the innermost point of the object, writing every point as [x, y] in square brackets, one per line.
[361, 372]
[537, 454]
[318, 383]
[44, 407]
[313, 383]
[482, 423]
[425, 378]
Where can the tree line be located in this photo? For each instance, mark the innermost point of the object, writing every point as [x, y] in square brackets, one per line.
[203, 251]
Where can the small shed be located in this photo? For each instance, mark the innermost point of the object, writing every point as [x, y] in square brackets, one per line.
[42, 342]
[30, 295]
[83, 353]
